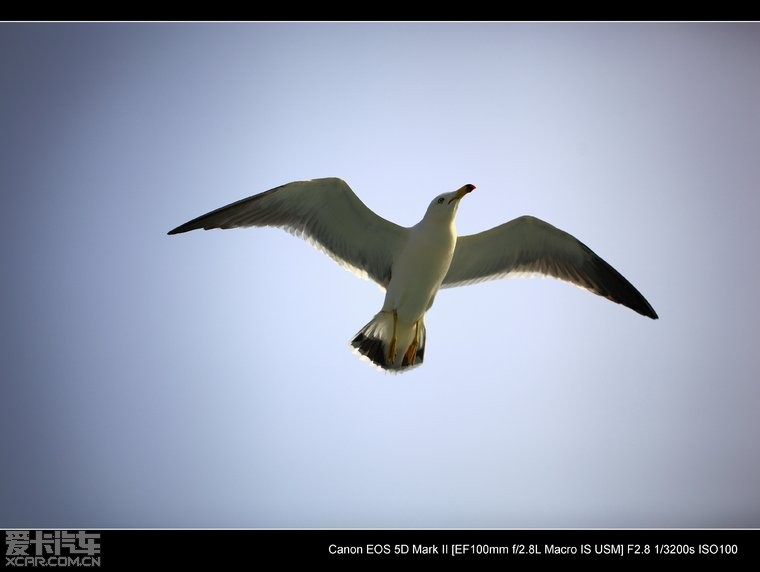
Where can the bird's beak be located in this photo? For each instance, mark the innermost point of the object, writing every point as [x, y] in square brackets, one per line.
[462, 192]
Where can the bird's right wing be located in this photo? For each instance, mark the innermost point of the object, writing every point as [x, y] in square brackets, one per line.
[527, 245]
[325, 212]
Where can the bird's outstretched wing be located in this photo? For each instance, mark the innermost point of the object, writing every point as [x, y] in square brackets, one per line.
[325, 212]
[528, 245]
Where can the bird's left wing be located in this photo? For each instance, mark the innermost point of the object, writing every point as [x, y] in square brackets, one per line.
[528, 245]
[325, 212]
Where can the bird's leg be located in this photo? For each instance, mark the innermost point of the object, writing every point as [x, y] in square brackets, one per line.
[411, 352]
[392, 349]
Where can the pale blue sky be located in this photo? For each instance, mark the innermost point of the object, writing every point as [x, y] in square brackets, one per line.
[206, 380]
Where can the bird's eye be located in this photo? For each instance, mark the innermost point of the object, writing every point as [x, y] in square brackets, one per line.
[440, 200]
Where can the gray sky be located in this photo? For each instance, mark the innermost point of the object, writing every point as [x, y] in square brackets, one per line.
[206, 380]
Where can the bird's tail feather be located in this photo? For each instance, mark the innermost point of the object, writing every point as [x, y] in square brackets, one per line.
[375, 342]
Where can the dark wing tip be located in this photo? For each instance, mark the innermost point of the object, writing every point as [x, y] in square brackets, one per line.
[642, 307]
[188, 226]
[651, 313]
[220, 218]
[614, 286]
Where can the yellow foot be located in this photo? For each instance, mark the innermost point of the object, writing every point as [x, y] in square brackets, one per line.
[411, 353]
[392, 348]
[392, 351]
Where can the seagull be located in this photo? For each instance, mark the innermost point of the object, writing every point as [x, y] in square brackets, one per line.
[412, 263]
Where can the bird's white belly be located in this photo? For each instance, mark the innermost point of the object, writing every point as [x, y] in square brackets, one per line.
[417, 274]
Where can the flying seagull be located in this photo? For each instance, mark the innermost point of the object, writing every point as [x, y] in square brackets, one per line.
[412, 264]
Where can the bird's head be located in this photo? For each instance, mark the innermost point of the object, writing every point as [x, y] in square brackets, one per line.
[445, 206]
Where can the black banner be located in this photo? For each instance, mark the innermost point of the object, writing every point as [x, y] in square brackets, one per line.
[103, 548]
